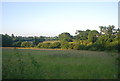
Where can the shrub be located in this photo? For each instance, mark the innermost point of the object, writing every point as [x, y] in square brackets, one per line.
[93, 49]
[55, 45]
[43, 45]
[26, 44]
[39, 45]
[82, 47]
[17, 44]
[112, 46]
[99, 47]
[71, 46]
[76, 47]
[64, 45]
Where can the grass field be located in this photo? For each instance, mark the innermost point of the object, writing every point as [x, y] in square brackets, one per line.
[58, 64]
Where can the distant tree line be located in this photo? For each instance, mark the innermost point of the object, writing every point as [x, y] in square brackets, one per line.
[107, 39]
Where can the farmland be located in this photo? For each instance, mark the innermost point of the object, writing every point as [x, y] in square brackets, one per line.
[58, 64]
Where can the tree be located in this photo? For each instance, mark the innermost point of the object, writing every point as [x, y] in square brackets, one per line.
[17, 44]
[65, 37]
[12, 36]
[6, 41]
[107, 30]
[93, 35]
[82, 35]
[101, 29]
[38, 40]
[110, 29]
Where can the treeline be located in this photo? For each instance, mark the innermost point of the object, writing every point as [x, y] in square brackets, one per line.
[19, 41]
[107, 39]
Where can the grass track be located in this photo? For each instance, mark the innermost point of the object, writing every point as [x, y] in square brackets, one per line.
[58, 64]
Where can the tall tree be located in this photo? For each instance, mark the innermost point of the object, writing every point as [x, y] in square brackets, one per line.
[38, 40]
[101, 29]
[82, 35]
[65, 37]
[93, 35]
[6, 41]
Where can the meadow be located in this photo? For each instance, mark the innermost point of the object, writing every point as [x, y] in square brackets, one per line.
[58, 64]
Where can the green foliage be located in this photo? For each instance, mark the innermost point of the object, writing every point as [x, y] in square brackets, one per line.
[26, 44]
[65, 37]
[38, 40]
[95, 47]
[82, 35]
[7, 41]
[39, 45]
[107, 39]
[65, 45]
[107, 30]
[92, 36]
[71, 46]
[17, 44]
[102, 39]
[43, 45]
[112, 45]
[55, 45]
[76, 47]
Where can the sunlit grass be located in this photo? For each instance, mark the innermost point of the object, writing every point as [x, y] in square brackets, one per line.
[58, 64]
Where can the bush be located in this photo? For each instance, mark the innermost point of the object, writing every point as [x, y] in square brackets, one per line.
[43, 45]
[95, 47]
[55, 45]
[71, 46]
[76, 47]
[82, 47]
[65, 45]
[26, 44]
[112, 46]
[17, 44]
[39, 45]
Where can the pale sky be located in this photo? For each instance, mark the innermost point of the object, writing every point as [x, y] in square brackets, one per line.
[53, 18]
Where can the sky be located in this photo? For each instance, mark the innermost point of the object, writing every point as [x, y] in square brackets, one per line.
[53, 18]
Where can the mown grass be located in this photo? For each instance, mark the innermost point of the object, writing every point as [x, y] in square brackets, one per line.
[58, 64]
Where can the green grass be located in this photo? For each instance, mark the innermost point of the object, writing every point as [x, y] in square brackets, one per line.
[58, 64]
